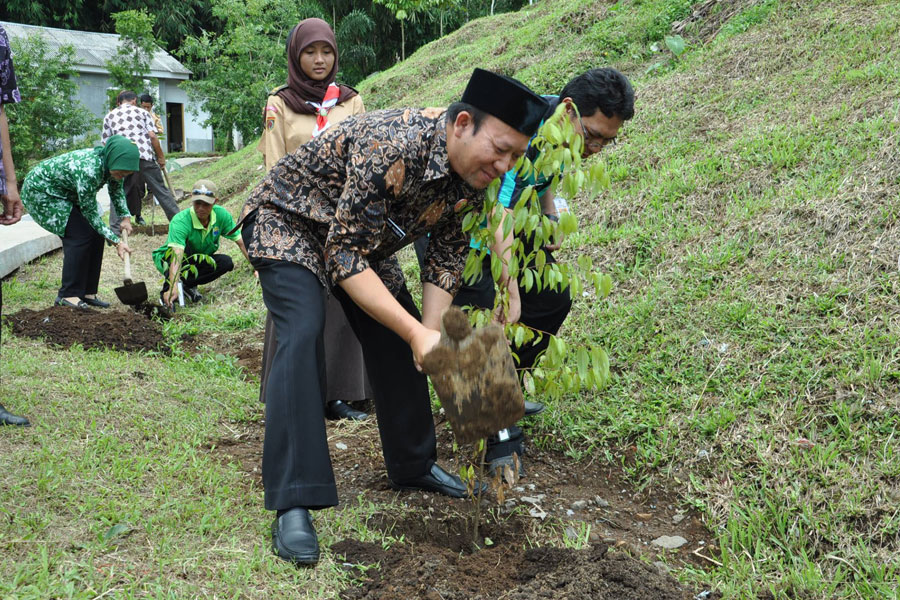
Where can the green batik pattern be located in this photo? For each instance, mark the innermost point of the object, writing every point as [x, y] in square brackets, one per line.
[56, 184]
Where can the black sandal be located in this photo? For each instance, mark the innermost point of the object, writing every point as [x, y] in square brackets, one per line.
[63, 302]
[95, 302]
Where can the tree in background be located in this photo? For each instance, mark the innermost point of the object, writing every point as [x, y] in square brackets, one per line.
[404, 10]
[65, 14]
[50, 117]
[175, 19]
[137, 45]
[234, 71]
[355, 51]
[241, 58]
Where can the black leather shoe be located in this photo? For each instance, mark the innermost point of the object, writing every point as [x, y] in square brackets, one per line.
[439, 481]
[96, 302]
[140, 221]
[533, 408]
[294, 539]
[63, 302]
[338, 409]
[193, 294]
[7, 418]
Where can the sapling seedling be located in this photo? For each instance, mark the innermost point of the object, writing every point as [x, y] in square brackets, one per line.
[185, 269]
[559, 161]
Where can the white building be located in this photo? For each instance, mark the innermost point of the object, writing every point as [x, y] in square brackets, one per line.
[181, 118]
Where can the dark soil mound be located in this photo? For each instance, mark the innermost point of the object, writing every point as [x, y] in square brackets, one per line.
[65, 326]
[432, 554]
[507, 571]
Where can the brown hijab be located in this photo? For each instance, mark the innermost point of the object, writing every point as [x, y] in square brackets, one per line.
[300, 87]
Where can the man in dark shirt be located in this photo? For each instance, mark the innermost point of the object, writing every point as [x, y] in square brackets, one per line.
[598, 102]
[331, 215]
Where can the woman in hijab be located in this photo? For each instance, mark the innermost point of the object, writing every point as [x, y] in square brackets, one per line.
[60, 193]
[308, 105]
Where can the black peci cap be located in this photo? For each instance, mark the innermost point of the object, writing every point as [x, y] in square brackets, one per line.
[507, 99]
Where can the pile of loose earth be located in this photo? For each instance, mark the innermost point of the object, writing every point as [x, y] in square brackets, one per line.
[120, 330]
[568, 530]
[504, 571]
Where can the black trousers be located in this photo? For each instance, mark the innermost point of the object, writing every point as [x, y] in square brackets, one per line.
[296, 463]
[151, 175]
[205, 271]
[134, 193]
[82, 257]
[545, 311]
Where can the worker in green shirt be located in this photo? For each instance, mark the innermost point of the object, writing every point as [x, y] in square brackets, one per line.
[194, 233]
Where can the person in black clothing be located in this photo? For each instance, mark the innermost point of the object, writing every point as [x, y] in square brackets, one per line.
[604, 100]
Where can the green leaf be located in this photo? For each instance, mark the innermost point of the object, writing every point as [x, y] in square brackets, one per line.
[568, 223]
[582, 358]
[519, 338]
[606, 283]
[496, 267]
[528, 382]
[529, 279]
[676, 44]
[114, 531]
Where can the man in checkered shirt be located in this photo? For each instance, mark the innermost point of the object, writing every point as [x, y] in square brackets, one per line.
[135, 123]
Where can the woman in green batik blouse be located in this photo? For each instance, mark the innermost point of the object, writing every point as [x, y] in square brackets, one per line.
[60, 193]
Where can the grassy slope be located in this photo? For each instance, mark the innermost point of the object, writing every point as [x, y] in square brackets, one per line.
[750, 228]
[751, 231]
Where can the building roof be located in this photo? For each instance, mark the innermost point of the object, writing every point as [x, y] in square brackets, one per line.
[92, 50]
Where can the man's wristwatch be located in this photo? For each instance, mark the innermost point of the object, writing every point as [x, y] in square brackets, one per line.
[554, 218]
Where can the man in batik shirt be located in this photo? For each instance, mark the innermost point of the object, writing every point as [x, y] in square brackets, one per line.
[9, 188]
[331, 215]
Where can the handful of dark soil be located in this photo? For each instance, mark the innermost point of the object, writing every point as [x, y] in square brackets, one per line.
[474, 376]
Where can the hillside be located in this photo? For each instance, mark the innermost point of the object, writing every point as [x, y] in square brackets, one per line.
[751, 230]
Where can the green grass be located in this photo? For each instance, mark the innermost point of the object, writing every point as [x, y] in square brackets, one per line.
[751, 231]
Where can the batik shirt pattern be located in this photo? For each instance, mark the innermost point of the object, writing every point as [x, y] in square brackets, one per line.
[352, 197]
[55, 185]
[9, 91]
[133, 122]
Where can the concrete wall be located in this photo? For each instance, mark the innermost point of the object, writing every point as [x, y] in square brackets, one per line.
[196, 137]
[92, 92]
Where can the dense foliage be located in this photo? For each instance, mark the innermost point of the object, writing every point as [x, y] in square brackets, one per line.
[49, 118]
[133, 55]
[235, 48]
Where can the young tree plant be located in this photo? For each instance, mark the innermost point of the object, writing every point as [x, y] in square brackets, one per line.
[562, 369]
[137, 45]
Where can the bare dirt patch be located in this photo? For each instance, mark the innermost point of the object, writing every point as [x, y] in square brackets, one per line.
[559, 500]
[64, 326]
[505, 571]
[157, 229]
[250, 358]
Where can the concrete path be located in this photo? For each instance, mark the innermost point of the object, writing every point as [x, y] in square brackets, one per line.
[26, 240]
